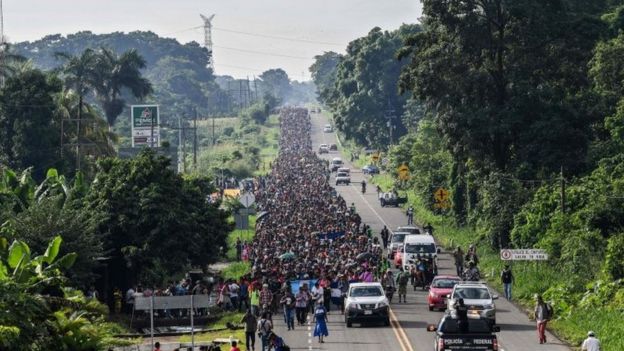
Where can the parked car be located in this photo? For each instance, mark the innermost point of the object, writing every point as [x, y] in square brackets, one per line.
[333, 147]
[366, 302]
[477, 297]
[440, 288]
[391, 199]
[474, 334]
[370, 169]
[323, 149]
[328, 128]
[343, 178]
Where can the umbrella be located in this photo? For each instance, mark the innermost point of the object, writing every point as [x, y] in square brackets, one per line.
[287, 256]
[261, 215]
[364, 256]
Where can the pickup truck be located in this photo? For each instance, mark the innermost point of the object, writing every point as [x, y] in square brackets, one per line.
[391, 199]
[473, 334]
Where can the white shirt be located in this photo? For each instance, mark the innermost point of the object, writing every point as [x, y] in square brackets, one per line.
[591, 344]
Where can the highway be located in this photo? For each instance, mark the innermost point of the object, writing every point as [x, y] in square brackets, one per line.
[409, 320]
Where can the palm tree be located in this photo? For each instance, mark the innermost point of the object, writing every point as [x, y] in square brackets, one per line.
[112, 74]
[79, 73]
[8, 61]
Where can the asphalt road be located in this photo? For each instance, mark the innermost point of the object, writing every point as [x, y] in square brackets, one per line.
[408, 330]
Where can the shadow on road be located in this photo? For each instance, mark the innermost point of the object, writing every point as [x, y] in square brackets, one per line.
[515, 327]
[413, 324]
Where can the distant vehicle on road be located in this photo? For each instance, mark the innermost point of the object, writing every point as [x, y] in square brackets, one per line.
[344, 170]
[473, 334]
[323, 149]
[477, 297]
[391, 199]
[396, 243]
[328, 128]
[335, 164]
[366, 302]
[343, 178]
[370, 169]
[410, 229]
[420, 247]
[333, 147]
[441, 286]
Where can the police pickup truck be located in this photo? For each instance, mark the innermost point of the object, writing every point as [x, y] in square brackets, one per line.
[472, 334]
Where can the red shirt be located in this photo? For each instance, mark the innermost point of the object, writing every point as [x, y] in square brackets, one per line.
[234, 348]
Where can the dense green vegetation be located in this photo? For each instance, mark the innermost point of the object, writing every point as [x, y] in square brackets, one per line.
[510, 100]
[40, 310]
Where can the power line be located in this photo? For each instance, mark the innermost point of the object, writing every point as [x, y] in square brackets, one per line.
[277, 37]
[258, 35]
[263, 53]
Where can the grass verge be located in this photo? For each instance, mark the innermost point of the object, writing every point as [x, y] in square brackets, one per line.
[233, 318]
[530, 278]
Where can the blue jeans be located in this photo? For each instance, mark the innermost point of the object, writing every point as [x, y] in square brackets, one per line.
[507, 287]
[289, 318]
[265, 342]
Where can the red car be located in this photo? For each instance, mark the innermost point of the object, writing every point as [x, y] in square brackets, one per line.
[441, 286]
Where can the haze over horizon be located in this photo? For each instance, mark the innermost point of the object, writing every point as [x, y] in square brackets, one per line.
[245, 32]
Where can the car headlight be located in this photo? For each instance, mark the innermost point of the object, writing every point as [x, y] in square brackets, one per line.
[489, 306]
[382, 304]
[352, 306]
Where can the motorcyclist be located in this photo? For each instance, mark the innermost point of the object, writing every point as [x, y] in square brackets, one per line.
[472, 272]
[363, 186]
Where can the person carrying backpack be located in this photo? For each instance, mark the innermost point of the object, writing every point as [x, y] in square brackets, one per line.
[264, 330]
[543, 313]
[402, 280]
[507, 280]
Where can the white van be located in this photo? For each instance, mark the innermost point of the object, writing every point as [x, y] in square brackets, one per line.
[419, 246]
[335, 164]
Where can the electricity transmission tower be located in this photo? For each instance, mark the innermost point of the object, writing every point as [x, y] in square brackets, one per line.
[208, 38]
[1, 25]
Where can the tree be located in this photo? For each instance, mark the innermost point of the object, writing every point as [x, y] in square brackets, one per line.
[324, 73]
[113, 74]
[79, 74]
[154, 223]
[29, 132]
[276, 82]
[8, 61]
[365, 96]
[490, 67]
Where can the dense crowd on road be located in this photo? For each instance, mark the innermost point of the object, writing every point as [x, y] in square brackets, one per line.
[310, 232]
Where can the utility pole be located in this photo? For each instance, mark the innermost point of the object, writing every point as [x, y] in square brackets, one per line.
[563, 191]
[390, 117]
[255, 87]
[195, 141]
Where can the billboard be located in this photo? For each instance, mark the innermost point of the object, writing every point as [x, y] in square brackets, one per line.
[145, 121]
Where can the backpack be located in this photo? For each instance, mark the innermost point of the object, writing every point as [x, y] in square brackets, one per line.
[549, 310]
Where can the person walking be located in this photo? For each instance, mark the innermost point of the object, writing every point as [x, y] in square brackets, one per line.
[542, 316]
[288, 302]
[389, 285]
[507, 279]
[410, 215]
[301, 304]
[458, 256]
[591, 343]
[402, 280]
[254, 297]
[385, 235]
[251, 325]
[264, 330]
[320, 317]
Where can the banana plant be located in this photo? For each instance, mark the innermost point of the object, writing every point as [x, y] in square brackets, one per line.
[16, 263]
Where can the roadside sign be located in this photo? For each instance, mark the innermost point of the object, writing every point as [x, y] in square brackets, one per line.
[375, 156]
[145, 122]
[247, 199]
[442, 198]
[403, 171]
[523, 255]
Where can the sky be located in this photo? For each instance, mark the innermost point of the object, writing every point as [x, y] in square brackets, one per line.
[314, 26]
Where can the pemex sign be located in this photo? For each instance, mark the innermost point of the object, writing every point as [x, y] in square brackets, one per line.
[145, 121]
